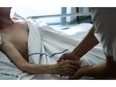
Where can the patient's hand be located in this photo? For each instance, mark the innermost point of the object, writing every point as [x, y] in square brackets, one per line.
[68, 56]
[66, 67]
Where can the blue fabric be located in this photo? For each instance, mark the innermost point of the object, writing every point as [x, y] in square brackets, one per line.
[50, 56]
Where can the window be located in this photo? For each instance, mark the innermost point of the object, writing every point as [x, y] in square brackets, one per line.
[50, 15]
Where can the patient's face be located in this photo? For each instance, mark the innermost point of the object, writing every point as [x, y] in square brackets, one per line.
[5, 11]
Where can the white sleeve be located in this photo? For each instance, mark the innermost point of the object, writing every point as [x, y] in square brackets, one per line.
[104, 21]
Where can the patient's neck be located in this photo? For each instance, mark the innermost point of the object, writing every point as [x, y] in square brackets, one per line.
[5, 22]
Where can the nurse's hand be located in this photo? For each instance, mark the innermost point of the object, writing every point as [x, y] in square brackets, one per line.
[68, 56]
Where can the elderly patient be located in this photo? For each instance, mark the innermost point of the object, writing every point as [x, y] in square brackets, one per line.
[14, 37]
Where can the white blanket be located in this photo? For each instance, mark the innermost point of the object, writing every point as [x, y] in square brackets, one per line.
[45, 46]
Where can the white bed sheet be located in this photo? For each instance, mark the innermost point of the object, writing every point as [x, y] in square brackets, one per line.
[78, 32]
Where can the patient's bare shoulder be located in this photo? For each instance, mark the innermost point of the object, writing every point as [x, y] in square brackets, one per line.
[22, 23]
[3, 40]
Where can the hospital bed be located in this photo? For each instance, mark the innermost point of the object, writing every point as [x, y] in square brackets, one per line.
[77, 32]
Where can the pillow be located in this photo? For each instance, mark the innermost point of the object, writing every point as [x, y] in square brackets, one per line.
[40, 23]
[18, 16]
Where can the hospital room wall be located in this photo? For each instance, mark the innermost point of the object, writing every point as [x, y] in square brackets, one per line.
[32, 11]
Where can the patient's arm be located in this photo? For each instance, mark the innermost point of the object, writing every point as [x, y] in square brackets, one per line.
[13, 54]
[84, 46]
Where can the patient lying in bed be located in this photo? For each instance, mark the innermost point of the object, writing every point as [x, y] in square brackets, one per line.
[30, 50]
[26, 50]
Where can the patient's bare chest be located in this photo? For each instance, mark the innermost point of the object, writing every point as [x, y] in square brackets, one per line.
[18, 36]
[20, 40]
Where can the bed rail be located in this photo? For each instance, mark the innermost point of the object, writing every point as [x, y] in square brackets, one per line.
[60, 15]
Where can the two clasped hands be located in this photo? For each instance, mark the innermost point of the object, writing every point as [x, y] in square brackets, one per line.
[73, 61]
